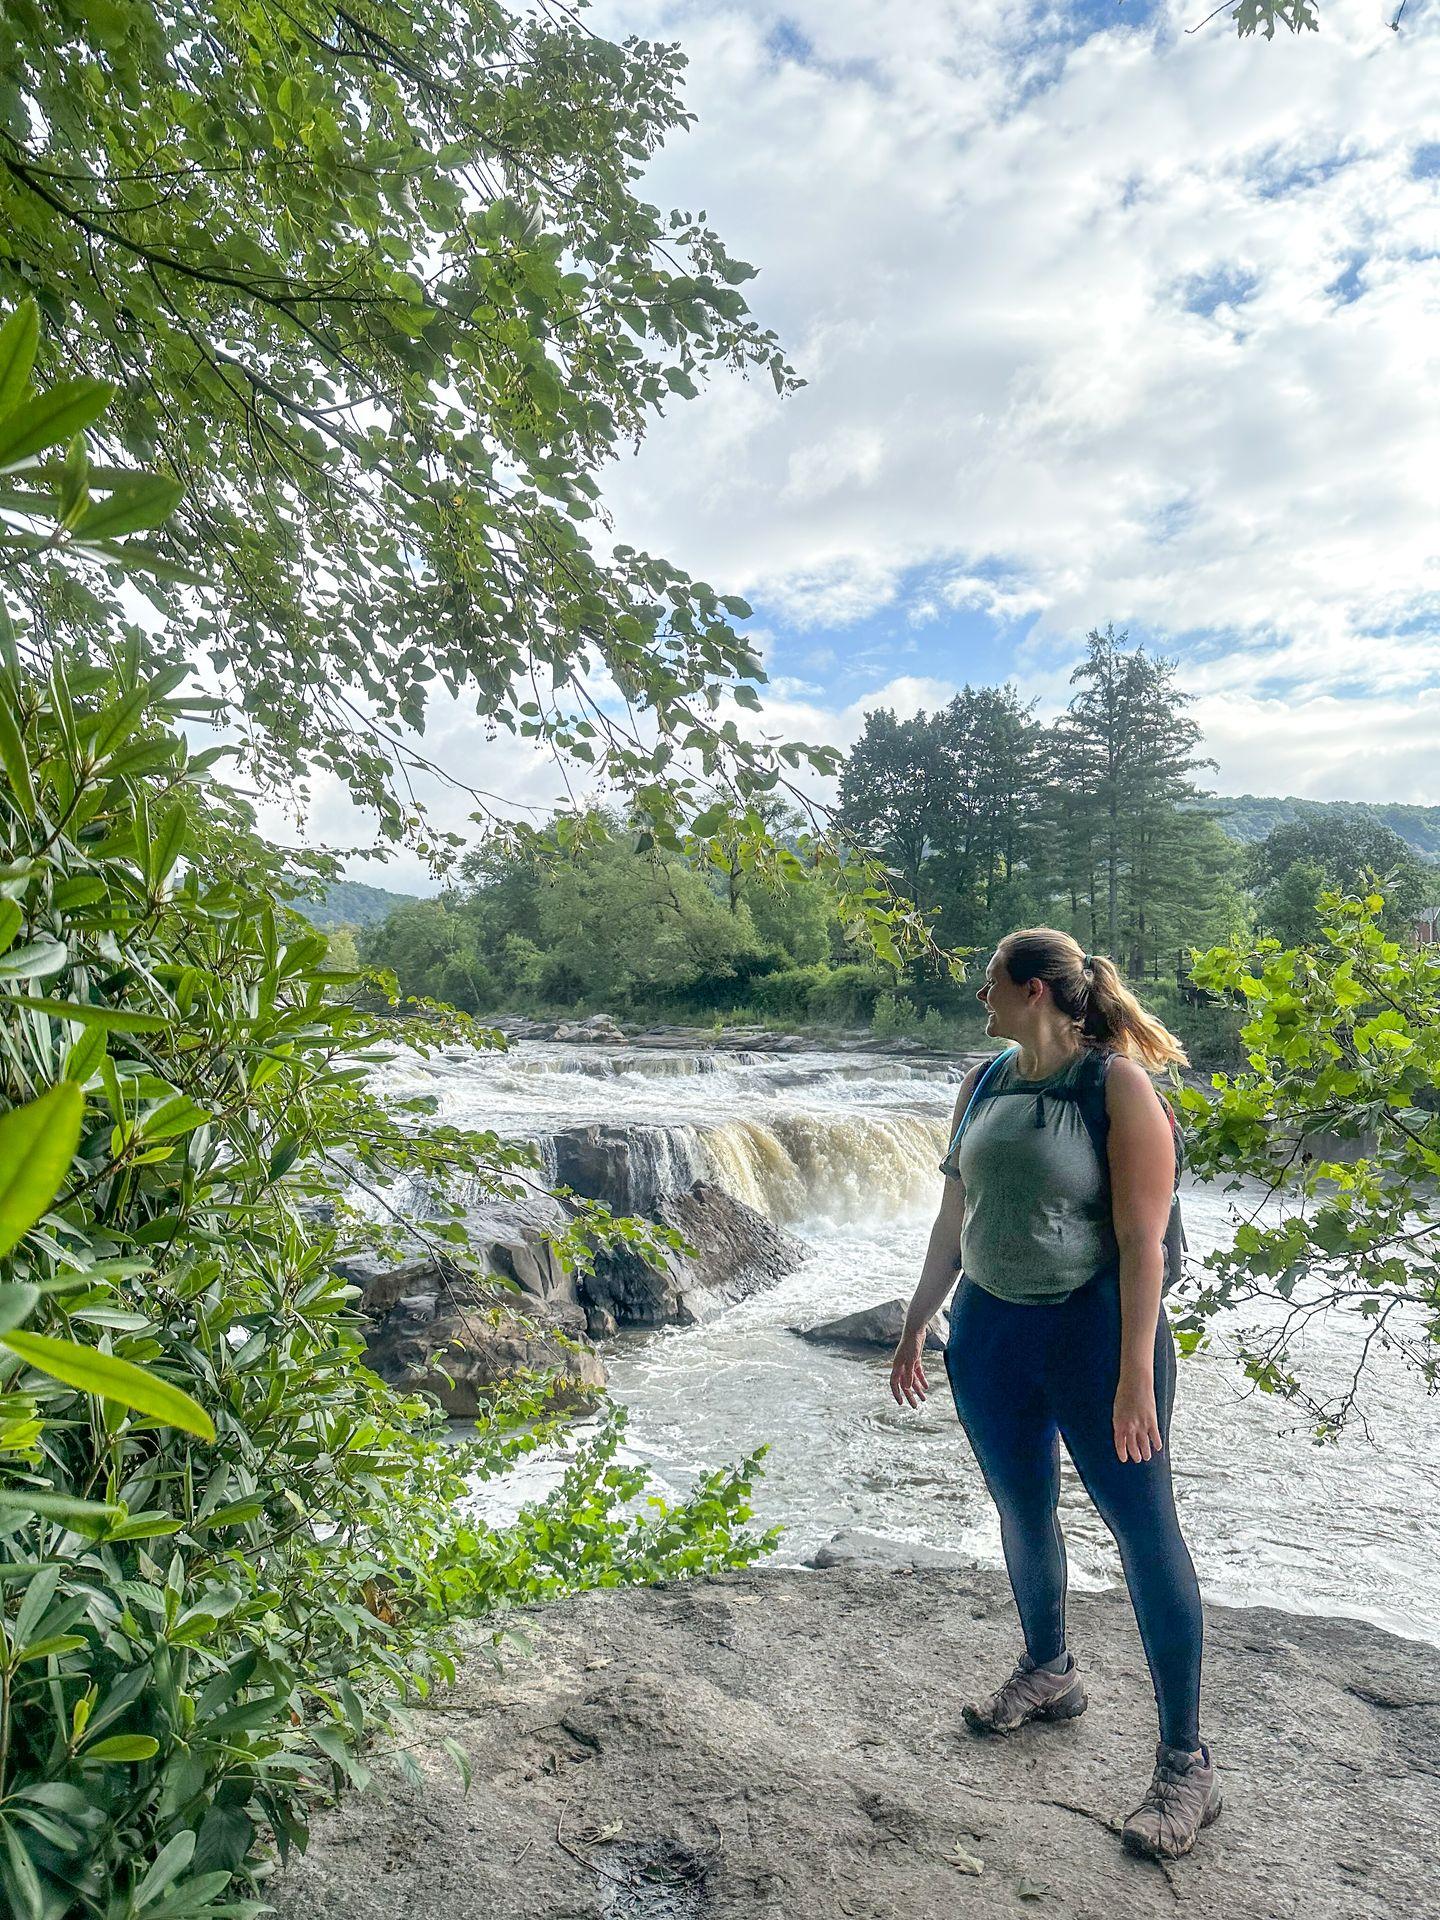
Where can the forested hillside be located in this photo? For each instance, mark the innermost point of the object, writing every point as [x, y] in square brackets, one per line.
[1248, 817]
[351, 903]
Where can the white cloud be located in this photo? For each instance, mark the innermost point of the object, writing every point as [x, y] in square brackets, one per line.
[1141, 329]
[1325, 748]
[990, 285]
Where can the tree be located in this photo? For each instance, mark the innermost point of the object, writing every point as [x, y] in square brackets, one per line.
[431, 949]
[373, 284]
[991, 741]
[1340, 847]
[894, 791]
[1337, 1115]
[1126, 728]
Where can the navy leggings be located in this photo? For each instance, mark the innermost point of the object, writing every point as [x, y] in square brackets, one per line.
[1026, 1377]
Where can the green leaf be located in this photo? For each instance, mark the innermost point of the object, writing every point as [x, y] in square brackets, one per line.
[82, 1061]
[17, 1303]
[132, 506]
[117, 1019]
[23, 1877]
[80, 891]
[180, 1115]
[165, 848]
[57, 414]
[58, 1506]
[168, 1865]
[55, 1643]
[19, 338]
[111, 1379]
[224, 1839]
[37, 1144]
[12, 918]
[122, 1746]
[34, 961]
[15, 761]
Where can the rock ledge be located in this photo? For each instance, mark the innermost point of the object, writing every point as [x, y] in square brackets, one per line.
[780, 1742]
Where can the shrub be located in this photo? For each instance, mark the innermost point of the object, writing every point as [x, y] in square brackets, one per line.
[227, 1550]
[847, 995]
[894, 1014]
[788, 993]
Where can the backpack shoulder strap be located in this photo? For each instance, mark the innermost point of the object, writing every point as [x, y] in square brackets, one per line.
[983, 1088]
[1089, 1096]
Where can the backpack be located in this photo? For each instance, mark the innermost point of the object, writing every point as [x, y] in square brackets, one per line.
[1087, 1092]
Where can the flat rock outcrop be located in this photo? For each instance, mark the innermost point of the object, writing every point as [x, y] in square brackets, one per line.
[783, 1743]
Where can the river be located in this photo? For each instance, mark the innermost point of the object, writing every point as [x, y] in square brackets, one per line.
[840, 1150]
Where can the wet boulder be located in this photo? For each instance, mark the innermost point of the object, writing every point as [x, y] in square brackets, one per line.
[631, 1169]
[738, 1252]
[459, 1341]
[598, 1027]
[879, 1326]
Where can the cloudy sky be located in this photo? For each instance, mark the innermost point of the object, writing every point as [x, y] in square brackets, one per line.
[1101, 320]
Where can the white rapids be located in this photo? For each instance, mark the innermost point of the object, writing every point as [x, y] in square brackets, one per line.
[842, 1152]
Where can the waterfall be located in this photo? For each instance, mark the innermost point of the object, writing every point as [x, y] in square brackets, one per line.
[834, 1166]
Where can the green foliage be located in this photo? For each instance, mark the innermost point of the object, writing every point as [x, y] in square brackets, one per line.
[232, 1549]
[847, 995]
[894, 1014]
[1208, 1028]
[1336, 1112]
[1345, 847]
[437, 308]
[228, 1552]
[1263, 16]
[616, 925]
[789, 993]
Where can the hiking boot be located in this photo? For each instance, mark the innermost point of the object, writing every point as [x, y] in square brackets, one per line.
[1184, 1796]
[1029, 1694]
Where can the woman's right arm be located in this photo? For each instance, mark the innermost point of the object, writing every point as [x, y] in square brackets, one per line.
[937, 1272]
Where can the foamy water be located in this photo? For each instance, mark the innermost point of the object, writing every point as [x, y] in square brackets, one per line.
[841, 1151]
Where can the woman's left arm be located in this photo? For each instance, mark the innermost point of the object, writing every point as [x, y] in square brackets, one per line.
[1142, 1180]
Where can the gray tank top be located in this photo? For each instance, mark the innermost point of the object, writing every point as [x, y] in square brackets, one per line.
[1037, 1224]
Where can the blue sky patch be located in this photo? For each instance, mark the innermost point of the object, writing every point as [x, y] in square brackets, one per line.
[1223, 286]
[1349, 285]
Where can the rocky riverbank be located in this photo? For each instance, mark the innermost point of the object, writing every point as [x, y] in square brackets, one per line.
[789, 1743]
[434, 1329]
[602, 1029]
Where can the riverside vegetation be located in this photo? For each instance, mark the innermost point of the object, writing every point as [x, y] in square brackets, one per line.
[228, 1553]
[985, 817]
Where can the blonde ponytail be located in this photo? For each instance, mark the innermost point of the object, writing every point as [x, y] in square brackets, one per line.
[1113, 1017]
[1088, 989]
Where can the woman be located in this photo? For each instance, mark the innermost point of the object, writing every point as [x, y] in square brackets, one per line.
[1057, 1332]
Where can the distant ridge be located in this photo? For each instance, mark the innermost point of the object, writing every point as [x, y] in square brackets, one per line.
[350, 903]
[1249, 817]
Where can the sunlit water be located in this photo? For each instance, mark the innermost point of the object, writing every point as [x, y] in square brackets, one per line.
[841, 1151]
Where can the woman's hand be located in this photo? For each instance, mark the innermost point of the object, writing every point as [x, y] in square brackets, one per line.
[907, 1374]
[1137, 1428]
